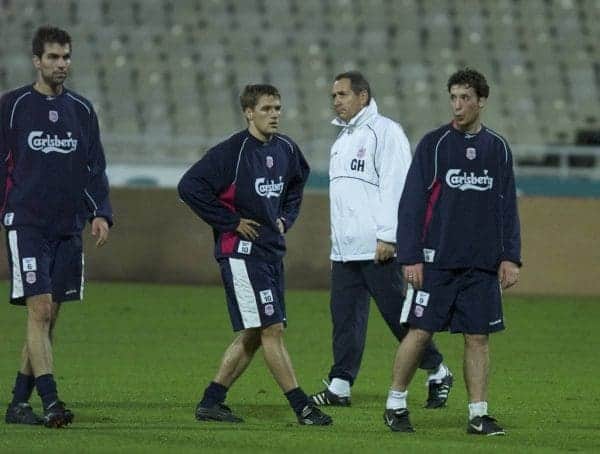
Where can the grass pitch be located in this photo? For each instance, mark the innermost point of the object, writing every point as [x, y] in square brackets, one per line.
[132, 362]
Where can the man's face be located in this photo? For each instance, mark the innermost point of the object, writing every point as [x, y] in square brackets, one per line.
[466, 107]
[265, 115]
[53, 66]
[345, 102]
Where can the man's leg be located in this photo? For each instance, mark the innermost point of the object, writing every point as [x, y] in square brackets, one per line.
[25, 368]
[19, 411]
[41, 319]
[235, 360]
[349, 315]
[476, 367]
[277, 357]
[55, 310]
[386, 285]
[238, 356]
[42, 313]
[478, 310]
[406, 363]
[408, 357]
[279, 363]
[39, 345]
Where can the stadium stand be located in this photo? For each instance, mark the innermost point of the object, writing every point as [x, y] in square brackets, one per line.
[165, 74]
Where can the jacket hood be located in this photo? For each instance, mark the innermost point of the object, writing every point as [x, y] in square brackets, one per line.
[363, 116]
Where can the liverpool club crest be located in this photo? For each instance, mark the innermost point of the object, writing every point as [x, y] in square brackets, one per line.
[471, 153]
[53, 116]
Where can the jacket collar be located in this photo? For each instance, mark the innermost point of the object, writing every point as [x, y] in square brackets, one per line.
[362, 117]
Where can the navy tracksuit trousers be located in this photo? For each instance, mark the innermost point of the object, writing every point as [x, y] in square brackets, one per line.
[352, 285]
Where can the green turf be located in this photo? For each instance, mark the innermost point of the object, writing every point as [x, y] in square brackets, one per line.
[132, 362]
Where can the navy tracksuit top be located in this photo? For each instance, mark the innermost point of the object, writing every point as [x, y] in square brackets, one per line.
[52, 164]
[244, 177]
[459, 208]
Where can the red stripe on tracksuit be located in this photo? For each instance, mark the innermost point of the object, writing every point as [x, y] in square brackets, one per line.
[228, 239]
[434, 195]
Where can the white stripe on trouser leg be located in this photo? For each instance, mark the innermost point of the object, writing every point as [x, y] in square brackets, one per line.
[244, 294]
[406, 305]
[82, 277]
[17, 279]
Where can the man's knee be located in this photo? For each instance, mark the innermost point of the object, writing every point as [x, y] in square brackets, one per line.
[250, 339]
[40, 309]
[419, 337]
[55, 311]
[477, 341]
[272, 331]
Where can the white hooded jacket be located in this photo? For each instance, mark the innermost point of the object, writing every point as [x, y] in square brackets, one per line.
[367, 170]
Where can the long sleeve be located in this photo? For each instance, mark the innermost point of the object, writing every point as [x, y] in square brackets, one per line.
[511, 231]
[392, 161]
[96, 193]
[207, 187]
[4, 152]
[412, 209]
[295, 189]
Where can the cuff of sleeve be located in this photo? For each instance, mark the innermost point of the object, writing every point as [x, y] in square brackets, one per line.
[515, 260]
[387, 235]
[108, 217]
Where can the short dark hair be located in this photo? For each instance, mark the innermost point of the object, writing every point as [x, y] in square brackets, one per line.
[471, 78]
[358, 82]
[48, 34]
[251, 94]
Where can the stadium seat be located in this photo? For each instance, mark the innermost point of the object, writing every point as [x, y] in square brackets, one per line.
[182, 63]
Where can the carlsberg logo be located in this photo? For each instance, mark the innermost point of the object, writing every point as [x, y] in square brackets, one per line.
[37, 141]
[265, 188]
[458, 179]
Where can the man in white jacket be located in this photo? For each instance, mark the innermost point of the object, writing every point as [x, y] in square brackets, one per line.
[368, 166]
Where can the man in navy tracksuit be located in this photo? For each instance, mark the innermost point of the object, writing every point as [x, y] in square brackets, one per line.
[249, 189]
[52, 180]
[459, 243]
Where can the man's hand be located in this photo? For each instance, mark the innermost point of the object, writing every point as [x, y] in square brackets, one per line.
[413, 274]
[247, 229]
[508, 274]
[384, 251]
[100, 229]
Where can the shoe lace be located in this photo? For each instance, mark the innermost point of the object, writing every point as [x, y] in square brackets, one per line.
[442, 389]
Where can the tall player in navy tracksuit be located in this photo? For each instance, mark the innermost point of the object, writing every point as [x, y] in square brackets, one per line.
[249, 189]
[52, 180]
[459, 242]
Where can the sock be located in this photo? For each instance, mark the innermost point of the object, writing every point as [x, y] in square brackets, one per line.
[396, 399]
[46, 388]
[24, 385]
[438, 374]
[478, 409]
[215, 393]
[297, 399]
[340, 387]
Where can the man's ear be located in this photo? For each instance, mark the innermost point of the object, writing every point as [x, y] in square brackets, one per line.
[364, 97]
